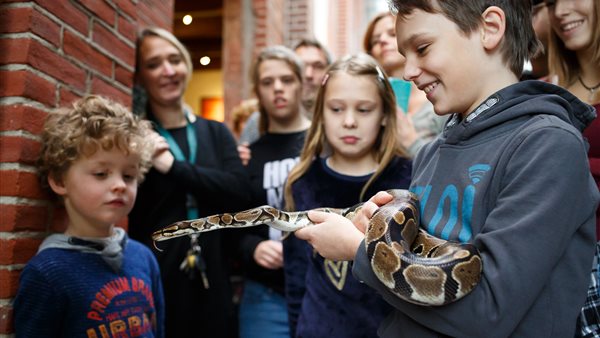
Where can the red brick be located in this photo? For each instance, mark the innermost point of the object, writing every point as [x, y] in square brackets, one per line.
[21, 117]
[15, 50]
[107, 40]
[100, 9]
[6, 319]
[124, 76]
[68, 13]
[45, 28]
[56, 66]
[127, 7]
[19, 149]
[127, 28]
[21, 184]
[23, 218]
[66, 96]
[81, 50]
[10, 283]
[15, 20]
[25, 83]
[18, 250]
[149, 16]
[102, 87]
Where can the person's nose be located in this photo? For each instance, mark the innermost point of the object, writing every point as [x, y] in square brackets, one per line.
[349, 119]
[167, 68]
[562, 7]
[386, 39]
[411, 70]
[309, 72]
[278, 85]
[118, 184]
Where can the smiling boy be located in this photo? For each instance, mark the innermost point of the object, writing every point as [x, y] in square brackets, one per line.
[509, 174]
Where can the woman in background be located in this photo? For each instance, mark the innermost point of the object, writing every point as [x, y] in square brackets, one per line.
[196, 172]
[574, 62]
[419, 125]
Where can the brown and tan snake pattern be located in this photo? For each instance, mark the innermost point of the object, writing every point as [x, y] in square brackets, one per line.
[414, 265]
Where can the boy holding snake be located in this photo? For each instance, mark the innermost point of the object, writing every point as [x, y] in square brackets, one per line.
[509, 174]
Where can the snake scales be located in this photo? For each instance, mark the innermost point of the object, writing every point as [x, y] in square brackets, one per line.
[414, 265]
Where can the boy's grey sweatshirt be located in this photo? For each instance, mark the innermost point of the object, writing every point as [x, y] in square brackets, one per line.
[513, 179]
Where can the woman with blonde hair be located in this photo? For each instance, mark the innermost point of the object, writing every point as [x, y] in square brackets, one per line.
[419, 124]
[195, 172]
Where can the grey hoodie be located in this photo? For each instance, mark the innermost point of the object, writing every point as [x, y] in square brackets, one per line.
[513, 179]
[110, 248]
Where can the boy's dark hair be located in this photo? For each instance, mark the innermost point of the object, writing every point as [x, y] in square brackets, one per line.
[314, 43]
[519, 43]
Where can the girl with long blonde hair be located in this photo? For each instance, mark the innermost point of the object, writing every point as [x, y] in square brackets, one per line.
[351, 151]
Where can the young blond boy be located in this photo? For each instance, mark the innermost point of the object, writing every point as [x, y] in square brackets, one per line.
[92, 281]
[509, 174]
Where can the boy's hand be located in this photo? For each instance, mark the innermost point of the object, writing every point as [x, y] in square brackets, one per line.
[363, 217]
[269, 254]
[333, 236]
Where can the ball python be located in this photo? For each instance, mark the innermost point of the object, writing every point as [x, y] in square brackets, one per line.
[412, 264]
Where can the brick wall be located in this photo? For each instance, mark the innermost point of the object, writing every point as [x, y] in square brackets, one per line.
[298, 21]
[53, 51]
[249, 26]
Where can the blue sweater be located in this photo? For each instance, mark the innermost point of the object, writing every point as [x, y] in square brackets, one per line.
[324, 299]
[70, 293]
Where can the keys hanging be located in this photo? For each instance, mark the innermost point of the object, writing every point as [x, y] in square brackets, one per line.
[193, 263]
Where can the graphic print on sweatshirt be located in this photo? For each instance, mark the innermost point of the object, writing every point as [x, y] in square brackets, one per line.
[123, 307]
[274, 175]
[453, 207]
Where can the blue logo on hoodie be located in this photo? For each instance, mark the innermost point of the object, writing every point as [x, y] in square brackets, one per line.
[477, 171]
[447, 209]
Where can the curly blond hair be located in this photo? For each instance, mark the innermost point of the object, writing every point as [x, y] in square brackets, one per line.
[90, 124]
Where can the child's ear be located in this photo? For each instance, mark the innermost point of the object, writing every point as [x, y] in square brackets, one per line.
[57, 185]
[493, 27]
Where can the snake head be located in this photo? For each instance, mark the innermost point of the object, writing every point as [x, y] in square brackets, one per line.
[174, 230]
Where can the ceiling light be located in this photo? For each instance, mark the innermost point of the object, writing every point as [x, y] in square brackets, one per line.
[205, 60]
[187, 19]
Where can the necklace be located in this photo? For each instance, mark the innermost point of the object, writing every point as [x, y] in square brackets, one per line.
[592, 89]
